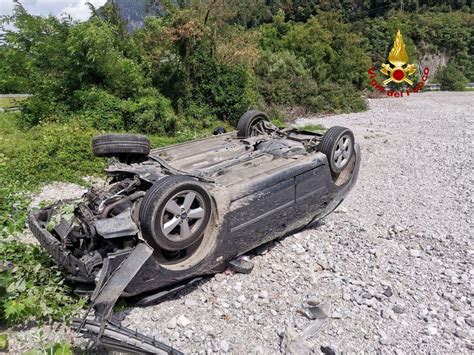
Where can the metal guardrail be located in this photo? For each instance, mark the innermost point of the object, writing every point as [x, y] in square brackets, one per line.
[433, 87]
[14, 96]
[437, 87]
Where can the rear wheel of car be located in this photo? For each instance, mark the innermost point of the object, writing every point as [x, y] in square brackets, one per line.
[175, 212]
[338, 146]
[252, 123]
[120, 145]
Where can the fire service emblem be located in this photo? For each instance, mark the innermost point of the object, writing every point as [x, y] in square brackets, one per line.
[398, 71]
[398, 57]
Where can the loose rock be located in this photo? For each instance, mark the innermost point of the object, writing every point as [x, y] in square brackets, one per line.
[182, 321]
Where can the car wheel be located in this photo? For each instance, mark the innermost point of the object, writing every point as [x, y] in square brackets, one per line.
[252, 124]
[174, 213]
[122, 146]
[338, 146]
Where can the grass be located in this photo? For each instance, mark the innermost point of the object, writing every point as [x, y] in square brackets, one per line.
[317, 128]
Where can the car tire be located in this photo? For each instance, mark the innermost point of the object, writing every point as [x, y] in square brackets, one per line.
[120, 145]
[338, 146]
[248, 120]
[174, 213]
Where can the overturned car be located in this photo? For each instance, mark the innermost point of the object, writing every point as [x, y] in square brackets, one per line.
[189, 209]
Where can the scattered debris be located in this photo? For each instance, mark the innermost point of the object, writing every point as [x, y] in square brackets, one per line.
[119, 338]
[326, 350]
[317, 312]
[241, 265]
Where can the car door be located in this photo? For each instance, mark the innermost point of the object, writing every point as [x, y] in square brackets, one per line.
[262, 216]
[312, 193]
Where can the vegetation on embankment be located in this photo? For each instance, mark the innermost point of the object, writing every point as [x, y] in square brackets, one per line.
[205, 61]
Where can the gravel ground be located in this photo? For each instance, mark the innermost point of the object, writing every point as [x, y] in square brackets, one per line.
[393, 265]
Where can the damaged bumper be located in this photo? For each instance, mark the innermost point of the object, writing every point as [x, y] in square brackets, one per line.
[59, 252]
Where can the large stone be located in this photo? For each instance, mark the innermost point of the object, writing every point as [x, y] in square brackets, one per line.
[182, 321]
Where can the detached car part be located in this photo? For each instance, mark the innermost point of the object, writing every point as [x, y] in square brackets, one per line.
[198, 205]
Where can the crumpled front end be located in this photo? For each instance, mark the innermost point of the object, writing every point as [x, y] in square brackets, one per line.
[80, 234]
[76, 266]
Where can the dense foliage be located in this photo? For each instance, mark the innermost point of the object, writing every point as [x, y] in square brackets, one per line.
[215, 59]
[250, 13]
[319, 64]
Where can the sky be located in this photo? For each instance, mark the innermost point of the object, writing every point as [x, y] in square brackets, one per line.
[76, 8]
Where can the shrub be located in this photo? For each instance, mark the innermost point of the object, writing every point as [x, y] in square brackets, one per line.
[150, 112]
[227, 91]
[40, 109]
[451, 78]
[49, 152]
[320, 65]
[340, 96]
[284, 79]
[101, 109]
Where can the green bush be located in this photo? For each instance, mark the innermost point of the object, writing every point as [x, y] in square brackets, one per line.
[148, 113]
[340, 95]
[190, 67]
[451, 78]
[49, 152]
[152, 113]
[285, 79]
[320, 65]
[38, 109]
[227, 91]
[101, 109]
[35, 288]
[101, 57]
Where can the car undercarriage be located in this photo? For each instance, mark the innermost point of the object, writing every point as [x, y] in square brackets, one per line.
[169, 215]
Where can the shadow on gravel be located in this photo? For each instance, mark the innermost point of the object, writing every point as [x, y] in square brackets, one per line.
[180, 290]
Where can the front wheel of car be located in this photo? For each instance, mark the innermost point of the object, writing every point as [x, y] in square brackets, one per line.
[175, 212]
[338, 146]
